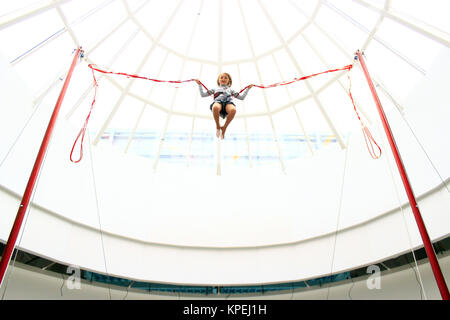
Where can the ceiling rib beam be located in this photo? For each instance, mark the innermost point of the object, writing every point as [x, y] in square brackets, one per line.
[275, 135]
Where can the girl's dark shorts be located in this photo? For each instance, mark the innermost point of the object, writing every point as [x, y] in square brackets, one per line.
[223, 112]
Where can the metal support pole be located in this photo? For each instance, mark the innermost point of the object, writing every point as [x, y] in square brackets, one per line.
[412, 200]
[7, 252]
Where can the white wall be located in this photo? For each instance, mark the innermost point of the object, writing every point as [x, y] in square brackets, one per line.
[176, 227]
[27, 282]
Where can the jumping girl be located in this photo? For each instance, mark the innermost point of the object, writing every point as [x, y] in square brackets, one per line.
[223, 105]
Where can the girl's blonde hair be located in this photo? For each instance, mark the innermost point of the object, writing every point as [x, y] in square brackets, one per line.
[229, 77]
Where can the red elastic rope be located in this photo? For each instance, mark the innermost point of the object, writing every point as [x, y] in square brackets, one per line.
[141, 77]
[368, 138]
[282, 83]
[83, 130]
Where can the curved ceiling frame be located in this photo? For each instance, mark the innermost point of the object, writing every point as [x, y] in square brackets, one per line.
[385, 12]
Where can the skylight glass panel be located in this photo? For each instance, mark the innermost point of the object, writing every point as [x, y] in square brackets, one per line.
[309, 63]
[380, 4]
[425, 12]
[135, 4]
[112, 45]
[331, 54]
[393, 71]
[255, 100]
[47, 64]
[286, 18]
[357, 14]
[143, 88]
[270, 74]
[10, 10]
[155, 63]
[235, 42]
[420, 50]
[206, 38]
[185, 97]
[23, 36]
[263, 36]
[75, 9]
[342, 30]
[178, 34]
[163, 93]
[155, 16]
[85, 20]
[131, 59]
[308, 7]
[248, 73]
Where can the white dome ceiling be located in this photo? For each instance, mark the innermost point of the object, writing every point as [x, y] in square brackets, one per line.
[256, 41]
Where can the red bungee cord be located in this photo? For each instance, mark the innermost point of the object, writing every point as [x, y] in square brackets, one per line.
[366, 132]
[83, 129]
[367, 135]
[283, 83]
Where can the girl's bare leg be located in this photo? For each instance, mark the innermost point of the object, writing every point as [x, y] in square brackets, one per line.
[231, 110]
[216, 111]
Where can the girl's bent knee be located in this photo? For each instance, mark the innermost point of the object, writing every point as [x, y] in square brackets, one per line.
[231, 110]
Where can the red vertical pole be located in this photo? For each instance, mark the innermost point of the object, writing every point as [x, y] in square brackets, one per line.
[412, 200]
[7, 252]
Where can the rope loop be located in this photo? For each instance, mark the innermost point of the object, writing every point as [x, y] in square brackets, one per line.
[368, 138]
[82, 131]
